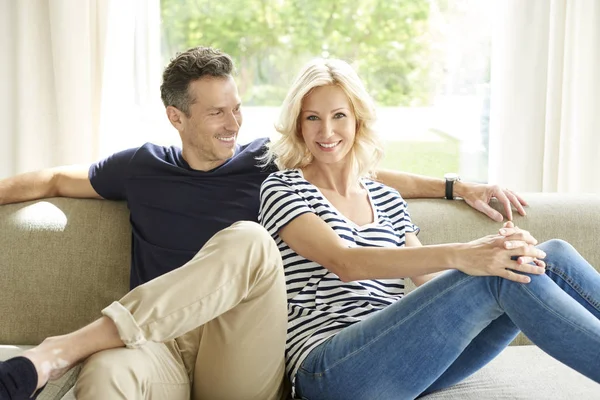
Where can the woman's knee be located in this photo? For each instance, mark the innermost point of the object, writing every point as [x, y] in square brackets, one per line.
[555, 245]
[556, 249]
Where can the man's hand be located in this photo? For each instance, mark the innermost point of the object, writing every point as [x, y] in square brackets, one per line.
[479, 196]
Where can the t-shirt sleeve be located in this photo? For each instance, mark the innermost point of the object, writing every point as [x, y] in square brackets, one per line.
[280, 204]
[409, 226]
[400, 216]
[109, 176]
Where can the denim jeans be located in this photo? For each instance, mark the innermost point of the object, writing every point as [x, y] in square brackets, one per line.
[453, 325]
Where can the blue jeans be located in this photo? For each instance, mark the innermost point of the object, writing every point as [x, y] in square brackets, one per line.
[453, 325]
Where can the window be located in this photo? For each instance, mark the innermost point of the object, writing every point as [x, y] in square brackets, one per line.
[426, 63]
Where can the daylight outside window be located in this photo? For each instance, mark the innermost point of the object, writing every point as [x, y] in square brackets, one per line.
[426, 63]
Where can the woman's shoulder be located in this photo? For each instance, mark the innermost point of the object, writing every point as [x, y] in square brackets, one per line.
[379, 189]
[288, 176]
[283, 180]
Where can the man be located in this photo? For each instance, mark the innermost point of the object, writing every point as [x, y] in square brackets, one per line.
[219, 321]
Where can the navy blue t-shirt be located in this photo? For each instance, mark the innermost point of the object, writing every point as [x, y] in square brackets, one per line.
[175, 209]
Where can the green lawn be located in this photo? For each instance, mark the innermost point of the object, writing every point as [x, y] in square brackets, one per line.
[427, 158]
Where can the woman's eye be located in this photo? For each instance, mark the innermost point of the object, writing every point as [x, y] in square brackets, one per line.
[216, 113]
[312, 118]
[339, 115]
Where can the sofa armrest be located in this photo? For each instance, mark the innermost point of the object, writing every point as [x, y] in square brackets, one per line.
[62, 261]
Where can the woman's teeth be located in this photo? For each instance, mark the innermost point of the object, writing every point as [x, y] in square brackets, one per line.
[227, 139]
[328, 145]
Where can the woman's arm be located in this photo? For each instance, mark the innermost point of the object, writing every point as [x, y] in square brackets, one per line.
[413, 241]
[312, 238]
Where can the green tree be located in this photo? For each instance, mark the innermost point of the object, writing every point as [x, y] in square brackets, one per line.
[386, 40]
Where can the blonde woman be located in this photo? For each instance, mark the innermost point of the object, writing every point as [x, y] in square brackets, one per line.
[348, 241]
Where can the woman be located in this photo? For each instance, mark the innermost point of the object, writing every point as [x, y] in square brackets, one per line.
[347, 242]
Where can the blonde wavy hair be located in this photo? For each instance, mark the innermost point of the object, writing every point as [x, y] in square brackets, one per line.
[290, 151]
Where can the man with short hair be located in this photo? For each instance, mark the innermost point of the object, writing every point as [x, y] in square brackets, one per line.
[219, 321]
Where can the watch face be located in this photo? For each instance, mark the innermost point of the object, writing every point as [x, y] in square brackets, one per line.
[451, 176]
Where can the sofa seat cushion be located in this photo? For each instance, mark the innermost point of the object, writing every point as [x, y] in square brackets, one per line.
[519, 372]
[54, 390]
[522, 372]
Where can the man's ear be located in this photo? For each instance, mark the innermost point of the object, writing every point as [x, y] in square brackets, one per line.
[175, 117]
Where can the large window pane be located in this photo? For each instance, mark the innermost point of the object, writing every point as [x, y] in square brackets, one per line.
[426, 63]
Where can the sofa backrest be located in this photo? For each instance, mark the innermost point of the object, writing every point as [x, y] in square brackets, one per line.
[63, 260]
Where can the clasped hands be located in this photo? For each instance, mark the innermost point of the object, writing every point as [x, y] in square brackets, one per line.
[508, 255]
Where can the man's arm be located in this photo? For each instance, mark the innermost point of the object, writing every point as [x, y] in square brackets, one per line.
[413, 186]
[476, 195]
[66, 181]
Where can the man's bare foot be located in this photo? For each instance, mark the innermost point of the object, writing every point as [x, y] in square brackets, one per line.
[56, 355]
[52, 359]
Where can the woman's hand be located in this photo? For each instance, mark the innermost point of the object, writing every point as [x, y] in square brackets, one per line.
[517, 237]
[503, 255]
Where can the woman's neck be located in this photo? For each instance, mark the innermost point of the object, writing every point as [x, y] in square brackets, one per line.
[339, 178]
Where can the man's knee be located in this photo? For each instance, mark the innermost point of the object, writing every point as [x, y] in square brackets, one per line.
[253, 231]
[249, 237]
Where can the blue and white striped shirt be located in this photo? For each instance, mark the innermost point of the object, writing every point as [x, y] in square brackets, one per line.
[319, 303]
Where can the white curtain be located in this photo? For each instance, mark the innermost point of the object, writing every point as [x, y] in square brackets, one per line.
[71, 73]
[545, 95]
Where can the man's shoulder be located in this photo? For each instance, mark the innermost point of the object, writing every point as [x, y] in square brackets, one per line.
[151, 154]
[154, 150]
[254, 150]
[249, 158]
[259, 144]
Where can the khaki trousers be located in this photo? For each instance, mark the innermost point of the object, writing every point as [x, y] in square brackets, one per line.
[212, 329]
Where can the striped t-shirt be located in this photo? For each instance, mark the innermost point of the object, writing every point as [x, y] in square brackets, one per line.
[319, 303]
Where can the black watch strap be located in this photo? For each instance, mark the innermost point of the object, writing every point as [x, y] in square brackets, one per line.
[450, 189]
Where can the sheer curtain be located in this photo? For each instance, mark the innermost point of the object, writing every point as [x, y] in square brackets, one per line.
[72, 72]
[545, 95]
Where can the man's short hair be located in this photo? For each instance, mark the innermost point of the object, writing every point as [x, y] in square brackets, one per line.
[187, 67]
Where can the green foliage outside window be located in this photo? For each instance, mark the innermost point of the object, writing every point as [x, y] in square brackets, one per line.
[385, 40]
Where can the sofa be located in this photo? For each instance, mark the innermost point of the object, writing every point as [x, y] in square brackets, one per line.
[63, 260]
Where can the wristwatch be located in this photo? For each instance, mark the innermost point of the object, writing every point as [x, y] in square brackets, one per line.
[450, 177]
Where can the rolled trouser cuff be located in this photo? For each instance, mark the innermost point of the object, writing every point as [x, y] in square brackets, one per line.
[129, 331]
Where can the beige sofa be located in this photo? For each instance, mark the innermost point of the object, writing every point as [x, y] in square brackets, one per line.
[63, 260]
